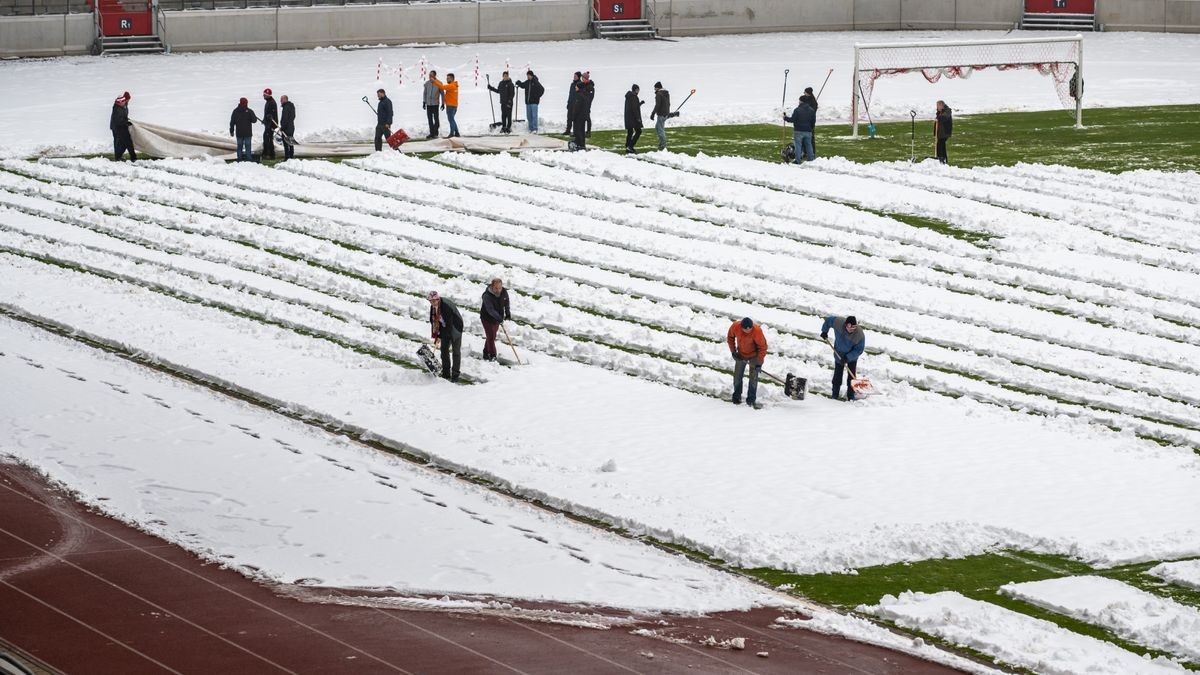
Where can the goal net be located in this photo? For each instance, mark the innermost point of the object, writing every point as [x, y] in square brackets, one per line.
[1059, 58]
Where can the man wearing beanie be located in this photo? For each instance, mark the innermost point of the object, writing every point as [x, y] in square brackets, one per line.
[812, 103]
[585, 91]
[241, 127]
[848, 344]
[662, 110]
[119, 124]
[270, 120]
[633, 119]
[747, 345]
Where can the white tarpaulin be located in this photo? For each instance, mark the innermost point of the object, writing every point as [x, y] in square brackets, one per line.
[152, 140]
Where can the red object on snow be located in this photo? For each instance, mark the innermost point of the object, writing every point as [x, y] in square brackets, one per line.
[397, 139]
[609, 10]
[1060, 6]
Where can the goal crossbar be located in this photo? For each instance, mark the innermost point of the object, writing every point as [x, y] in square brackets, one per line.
[1053, 63]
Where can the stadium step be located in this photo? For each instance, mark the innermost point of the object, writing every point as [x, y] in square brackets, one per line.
[624, 29]
[130, 44]
[1055, 21]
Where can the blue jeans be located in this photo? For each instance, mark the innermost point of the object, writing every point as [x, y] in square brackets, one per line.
[660, 128]
[451, 110]
[244, 153]
[739, 370]
[804, 146]
[531, 110]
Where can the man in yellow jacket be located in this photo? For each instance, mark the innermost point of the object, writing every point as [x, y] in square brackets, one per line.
[450, 99]
[747, 345]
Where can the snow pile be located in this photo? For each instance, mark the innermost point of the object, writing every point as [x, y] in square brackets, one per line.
[1011, 638]
[1130, 613]
[862, 630]
[1185, 573]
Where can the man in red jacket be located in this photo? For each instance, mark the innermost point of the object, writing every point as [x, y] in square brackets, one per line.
[747, 345]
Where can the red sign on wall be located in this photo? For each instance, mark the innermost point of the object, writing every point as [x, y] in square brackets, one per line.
[128, 17]
[609, 10]
[1060, 6]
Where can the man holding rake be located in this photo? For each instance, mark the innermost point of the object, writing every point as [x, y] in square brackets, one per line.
[848, 344]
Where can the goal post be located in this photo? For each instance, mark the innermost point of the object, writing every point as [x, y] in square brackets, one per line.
[1059, 57]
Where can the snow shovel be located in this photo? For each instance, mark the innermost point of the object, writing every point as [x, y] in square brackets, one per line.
[867, 106]
[793, 387]
[861, 385]
[510, 344]
[494, 124]
[429, 359]
[685, 100]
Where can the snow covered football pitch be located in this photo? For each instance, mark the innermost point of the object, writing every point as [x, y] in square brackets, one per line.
[1039, 375]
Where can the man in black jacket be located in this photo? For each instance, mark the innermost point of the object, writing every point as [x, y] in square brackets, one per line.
[383, 119]
[241, 127]
[533, 96]
[633, 119]
[119, 124]
[585, 91]
[812, 103]
[270, 120]
[507, 92]
[572, 94]
[287, 124]
[804, 120]
[943, 126]
[492, 313]
[447, 325]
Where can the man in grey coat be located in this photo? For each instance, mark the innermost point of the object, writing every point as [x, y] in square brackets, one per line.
[431, 101]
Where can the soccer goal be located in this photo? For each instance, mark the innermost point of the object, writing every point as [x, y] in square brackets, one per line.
[1060, 58]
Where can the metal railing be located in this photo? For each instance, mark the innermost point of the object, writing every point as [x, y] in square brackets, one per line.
[42, 7]
[184, 5]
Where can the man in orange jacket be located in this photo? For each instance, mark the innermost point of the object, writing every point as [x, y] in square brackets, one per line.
[747, 345]
[450, 99]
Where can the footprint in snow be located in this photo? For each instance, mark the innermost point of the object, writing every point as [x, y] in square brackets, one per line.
[521, 529]
[117, 388]
[386, 484]
[537, 538]
[580, 557]
[434, 501]
[483, 520]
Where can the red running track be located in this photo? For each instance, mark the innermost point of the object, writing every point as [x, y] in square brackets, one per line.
[82, 593]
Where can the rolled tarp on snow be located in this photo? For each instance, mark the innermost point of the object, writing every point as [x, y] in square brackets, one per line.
[162, 142]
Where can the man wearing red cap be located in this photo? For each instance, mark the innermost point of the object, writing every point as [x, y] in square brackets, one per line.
[119, 124]
[241, 127]
[270, 120]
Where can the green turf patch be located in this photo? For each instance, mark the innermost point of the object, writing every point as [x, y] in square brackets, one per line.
[1113, 139]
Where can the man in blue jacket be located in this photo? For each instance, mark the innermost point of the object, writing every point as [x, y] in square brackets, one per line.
[383, 119]
[848, 344]
[804, 120]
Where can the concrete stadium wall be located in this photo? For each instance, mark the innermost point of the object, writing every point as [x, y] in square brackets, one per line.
[709, 17]
[1179, 16]
[46, 35]
[307, 27]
